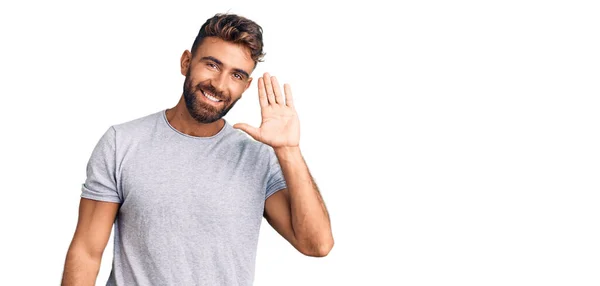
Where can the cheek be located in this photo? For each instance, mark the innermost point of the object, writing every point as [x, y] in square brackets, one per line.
[199, 75]
[237, 91]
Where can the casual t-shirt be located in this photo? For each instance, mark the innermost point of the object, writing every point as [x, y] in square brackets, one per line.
[190, 207]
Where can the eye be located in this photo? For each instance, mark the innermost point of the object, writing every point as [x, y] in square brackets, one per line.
[212, 66]
[238, 76]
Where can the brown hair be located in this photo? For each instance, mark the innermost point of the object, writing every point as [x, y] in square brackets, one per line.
[235, 29]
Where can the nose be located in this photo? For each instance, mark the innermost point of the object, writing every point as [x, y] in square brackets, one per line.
[219, 81]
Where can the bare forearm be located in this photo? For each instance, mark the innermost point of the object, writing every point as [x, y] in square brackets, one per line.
[80, 268]
[310, 219]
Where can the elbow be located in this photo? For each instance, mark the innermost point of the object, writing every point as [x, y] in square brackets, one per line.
[320, 249]
[324, 250]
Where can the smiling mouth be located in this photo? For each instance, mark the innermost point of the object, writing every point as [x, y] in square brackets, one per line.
[210, 96]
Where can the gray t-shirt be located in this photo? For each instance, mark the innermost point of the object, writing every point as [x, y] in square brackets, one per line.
[191, 207]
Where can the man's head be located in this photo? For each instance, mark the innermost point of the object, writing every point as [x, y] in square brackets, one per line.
[218, 68]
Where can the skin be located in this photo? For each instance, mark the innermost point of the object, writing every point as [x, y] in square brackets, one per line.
[297, 213]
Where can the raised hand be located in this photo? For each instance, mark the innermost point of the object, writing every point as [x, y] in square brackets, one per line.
[280, 126]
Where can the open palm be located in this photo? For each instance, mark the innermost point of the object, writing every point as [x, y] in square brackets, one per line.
[280, 126]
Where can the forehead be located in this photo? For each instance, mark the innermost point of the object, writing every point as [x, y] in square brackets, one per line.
[230, 54]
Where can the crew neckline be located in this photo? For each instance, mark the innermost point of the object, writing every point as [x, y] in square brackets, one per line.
[218, 134]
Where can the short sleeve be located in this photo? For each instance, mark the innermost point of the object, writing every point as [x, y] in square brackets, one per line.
[275, 179]
[101, 182]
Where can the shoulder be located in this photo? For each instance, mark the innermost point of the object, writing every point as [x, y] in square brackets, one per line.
[138, 124]
[135, 130]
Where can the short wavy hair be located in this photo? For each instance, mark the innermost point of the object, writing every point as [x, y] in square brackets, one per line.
[235, 29]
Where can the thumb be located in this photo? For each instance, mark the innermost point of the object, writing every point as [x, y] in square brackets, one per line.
[252, 131]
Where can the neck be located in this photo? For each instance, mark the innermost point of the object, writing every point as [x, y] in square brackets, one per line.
[180, 119]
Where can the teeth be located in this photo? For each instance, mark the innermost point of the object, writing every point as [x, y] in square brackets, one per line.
[212, 98]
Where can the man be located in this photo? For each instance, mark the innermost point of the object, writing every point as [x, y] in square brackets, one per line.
[186, 191]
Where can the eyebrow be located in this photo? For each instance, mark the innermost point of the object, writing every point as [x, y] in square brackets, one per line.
[221, 63]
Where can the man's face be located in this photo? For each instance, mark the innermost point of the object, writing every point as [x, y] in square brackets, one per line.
[215, 78]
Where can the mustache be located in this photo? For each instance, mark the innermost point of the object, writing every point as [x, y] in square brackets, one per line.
[213, 90]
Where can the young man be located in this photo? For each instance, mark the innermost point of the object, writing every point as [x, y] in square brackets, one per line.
[186, 191]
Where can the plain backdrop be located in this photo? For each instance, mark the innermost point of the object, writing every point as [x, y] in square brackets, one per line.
[454, 142]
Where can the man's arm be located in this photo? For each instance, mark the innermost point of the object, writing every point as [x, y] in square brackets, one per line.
[298, 213]
[91, 235]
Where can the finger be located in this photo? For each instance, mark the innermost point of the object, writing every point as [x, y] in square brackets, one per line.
[289, 100]
[269, 88]
[277, 91]
[251, 130]
[262, 94]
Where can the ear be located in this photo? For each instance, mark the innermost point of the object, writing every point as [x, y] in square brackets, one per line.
[248, 83]
[186, 59]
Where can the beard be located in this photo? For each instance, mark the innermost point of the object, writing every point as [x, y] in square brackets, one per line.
[200, 110]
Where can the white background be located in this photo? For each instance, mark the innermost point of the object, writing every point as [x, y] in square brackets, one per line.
[454, 142]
